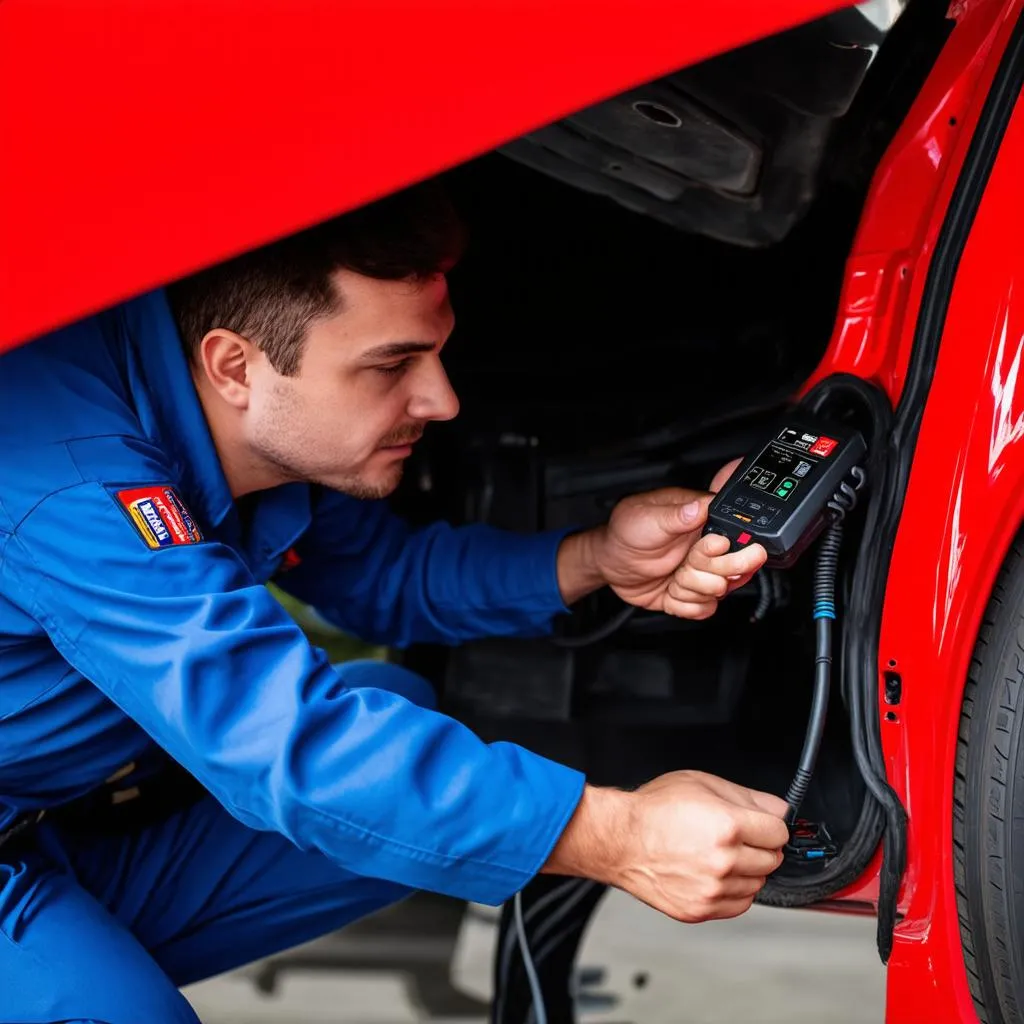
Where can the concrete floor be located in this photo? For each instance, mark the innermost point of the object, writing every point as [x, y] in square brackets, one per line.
[767, 967]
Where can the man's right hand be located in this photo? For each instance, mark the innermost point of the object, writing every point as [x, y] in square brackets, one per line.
[691, 845]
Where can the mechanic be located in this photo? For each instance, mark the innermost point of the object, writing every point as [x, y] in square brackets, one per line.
[186, 784]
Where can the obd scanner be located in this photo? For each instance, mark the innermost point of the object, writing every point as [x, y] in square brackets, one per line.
[783, 496]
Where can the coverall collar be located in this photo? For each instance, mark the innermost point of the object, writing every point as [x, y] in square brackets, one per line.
[172, 393]
[278, 516]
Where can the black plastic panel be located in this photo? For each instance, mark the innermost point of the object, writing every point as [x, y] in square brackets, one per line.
[730, 148]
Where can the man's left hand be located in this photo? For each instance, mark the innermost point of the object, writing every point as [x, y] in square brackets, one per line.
[652, 555]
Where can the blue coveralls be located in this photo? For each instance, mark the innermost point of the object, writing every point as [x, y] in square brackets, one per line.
[133, 618]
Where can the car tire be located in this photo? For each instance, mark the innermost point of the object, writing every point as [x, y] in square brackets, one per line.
[988, 805]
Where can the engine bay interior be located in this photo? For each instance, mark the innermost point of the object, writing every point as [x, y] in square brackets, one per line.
[568, 405]
[599, 352]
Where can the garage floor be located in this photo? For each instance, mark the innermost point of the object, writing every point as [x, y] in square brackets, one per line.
[636, 967]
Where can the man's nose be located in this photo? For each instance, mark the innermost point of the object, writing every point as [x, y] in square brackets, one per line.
[436, 399]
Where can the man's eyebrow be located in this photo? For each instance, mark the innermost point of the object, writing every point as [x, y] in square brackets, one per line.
[395, 349]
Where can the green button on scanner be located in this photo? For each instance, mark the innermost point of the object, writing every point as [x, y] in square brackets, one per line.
[785, 488]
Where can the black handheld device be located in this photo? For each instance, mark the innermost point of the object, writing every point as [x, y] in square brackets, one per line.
[779, 496]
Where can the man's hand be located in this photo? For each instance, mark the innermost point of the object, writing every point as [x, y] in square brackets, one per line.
[652, 555]
[691, 845]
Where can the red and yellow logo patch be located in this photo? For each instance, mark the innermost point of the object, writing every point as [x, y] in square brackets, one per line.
[159, 516]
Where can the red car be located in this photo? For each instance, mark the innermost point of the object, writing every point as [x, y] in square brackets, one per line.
[683, 218]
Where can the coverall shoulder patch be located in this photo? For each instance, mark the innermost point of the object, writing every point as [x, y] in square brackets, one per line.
[158, 515]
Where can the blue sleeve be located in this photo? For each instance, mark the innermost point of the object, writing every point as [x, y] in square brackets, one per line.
[187, 644]
[369, 573]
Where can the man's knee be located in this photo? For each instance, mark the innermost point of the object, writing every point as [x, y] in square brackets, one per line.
[174, 1009]
[167, 1006]
[179, 1013]
[385, 676]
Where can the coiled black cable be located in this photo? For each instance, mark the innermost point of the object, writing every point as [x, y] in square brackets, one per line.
[859, 655]
[764, 596]
[825, 572]
[824, 615]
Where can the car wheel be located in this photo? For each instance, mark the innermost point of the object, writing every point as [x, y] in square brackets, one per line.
[988, 808]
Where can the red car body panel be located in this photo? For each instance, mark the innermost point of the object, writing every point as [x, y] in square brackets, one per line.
[964, 506]
[143, 140]
[129, 172]
[965, 499]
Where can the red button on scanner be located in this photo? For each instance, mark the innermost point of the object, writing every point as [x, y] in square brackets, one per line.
[743, 538]
[824, 446]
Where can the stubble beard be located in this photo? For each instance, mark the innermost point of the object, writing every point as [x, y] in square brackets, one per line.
[351, 484]
[293, 467]
[356, 487]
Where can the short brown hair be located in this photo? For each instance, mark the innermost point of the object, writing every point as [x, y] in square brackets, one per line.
[273, 294]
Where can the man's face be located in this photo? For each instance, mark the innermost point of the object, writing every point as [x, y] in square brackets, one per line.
[369, 381]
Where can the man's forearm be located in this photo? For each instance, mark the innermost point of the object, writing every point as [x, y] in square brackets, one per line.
[577, 565]
[595, 841]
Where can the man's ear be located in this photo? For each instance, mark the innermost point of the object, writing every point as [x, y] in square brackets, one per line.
[225, 359]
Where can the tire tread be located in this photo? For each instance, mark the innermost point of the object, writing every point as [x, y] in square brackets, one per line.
[988, 742]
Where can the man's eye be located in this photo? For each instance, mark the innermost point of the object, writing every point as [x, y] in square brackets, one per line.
[393, 369]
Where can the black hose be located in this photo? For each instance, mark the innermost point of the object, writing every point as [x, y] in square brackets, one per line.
[824, 615]
[602, 632]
